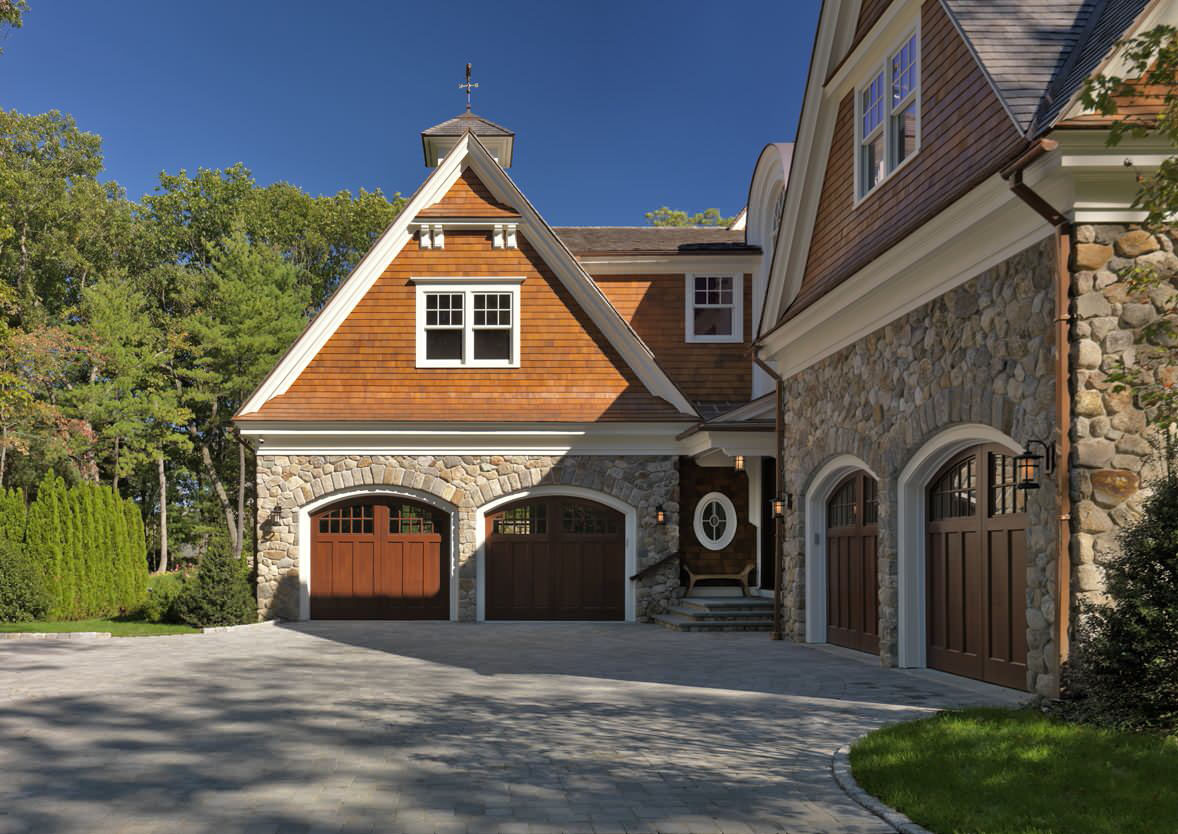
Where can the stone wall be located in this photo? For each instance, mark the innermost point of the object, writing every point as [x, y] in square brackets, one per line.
[466, 482]
[1113, 454]
[981, 353]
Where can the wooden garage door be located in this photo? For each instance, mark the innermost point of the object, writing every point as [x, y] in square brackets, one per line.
[976, 568]
[380, 560]
[852, 591]
[556, 559]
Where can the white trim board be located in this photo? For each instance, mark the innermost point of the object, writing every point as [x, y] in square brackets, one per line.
[469, 152]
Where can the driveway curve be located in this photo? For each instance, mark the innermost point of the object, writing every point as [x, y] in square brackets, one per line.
[439, 727]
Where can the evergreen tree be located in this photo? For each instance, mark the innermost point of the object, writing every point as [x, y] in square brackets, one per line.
[1124, 668]
[219, 594]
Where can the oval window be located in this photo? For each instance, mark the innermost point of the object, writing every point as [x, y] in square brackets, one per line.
[715, 521]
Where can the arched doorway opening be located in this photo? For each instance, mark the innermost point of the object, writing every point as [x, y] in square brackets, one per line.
[852, 586]
[379, 557]
[976, 568]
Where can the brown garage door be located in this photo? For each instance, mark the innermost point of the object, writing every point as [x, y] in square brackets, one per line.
[976, 565]
[852, 536]
[380, 560]
[556, 559]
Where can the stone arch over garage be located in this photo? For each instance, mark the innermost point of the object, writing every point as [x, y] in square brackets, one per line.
[288, 483]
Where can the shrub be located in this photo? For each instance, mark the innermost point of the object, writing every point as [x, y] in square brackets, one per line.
[219, 594]
[159, 606]
[23, 592]
[90, 545]
[1124, 667]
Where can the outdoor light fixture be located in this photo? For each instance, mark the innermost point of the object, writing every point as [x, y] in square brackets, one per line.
[660, 515]
[738, 463]
[778, 507]
[1028, 464]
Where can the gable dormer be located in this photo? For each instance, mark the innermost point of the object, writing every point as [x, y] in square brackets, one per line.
[439, 140]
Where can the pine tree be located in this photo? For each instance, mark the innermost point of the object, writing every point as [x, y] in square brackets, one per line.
[219, 594]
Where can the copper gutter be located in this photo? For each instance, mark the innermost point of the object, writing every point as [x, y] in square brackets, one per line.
[1064, 232]
[778, 520]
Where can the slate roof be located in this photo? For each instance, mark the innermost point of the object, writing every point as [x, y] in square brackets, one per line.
[652, 240]
[467, 121]
[1038, 52]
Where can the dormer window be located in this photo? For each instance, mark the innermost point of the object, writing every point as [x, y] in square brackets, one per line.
[714, 308]
[467, 322]
[887, 117]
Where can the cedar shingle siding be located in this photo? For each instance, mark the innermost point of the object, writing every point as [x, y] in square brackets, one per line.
[966, 136]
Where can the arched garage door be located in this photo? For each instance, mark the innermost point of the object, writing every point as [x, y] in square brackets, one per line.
[380, 559]
[977, 569]
[556, 558]
[852, 538]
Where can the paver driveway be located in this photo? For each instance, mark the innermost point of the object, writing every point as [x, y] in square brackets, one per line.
[391, 727]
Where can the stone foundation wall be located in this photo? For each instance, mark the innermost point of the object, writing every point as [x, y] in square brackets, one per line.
[288, 482]
[981, 353]
[1113, 456]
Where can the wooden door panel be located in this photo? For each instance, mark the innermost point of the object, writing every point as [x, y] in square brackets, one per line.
[852, 613]
[360, 570]
[556, 574]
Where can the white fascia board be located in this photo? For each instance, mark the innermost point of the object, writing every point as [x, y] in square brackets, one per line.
[807, 167]
[997, 225]
[466, 439]
[760, 408]
[358, 283]
[897, 21]
[577, 281]
[730, 443]
[668, 264]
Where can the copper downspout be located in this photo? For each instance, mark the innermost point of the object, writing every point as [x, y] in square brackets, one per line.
[1064, 230]
[778, 520]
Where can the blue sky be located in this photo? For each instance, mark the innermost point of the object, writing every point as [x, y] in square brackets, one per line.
[618, 107]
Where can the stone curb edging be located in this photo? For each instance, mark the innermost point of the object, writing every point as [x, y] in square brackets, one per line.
[840, 765]
[218, 629]
[103, 635]
[55, 635]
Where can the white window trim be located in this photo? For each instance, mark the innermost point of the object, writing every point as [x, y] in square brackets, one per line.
[737, 307]
[886, 126]
[729, 531]
[467, 287]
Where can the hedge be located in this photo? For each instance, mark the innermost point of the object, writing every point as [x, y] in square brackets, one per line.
[90, 545]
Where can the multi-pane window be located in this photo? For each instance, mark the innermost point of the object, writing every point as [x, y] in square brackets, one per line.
[406, 518]
[586, 521]
[713, 308]
[443, 325]
[349, 520]
[955, 495]
[840, 512]
[888, 116]
[1005, 497]
[492, 325]
[871, 145]
[472, 325]
[525, 520]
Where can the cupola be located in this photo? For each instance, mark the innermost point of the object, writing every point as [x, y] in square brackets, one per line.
[438, 140]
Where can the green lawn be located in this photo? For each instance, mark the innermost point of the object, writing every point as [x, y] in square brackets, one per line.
[117, 627]
[995, 771]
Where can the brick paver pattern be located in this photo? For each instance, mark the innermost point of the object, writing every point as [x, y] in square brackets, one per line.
[440, 727]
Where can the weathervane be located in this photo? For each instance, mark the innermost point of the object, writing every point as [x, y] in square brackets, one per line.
[468, 86]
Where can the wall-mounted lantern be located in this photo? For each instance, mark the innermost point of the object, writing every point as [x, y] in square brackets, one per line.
[660, 515]
[1029, 466]
[738, 463]
[780, 505]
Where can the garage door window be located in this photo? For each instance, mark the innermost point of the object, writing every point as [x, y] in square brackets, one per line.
[354, 519]
[525, 520]
[405, 518]
[587, 521]
[715, 521]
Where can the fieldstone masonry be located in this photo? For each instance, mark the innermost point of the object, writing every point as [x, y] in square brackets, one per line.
[981, 353]
[1113, 453]
[465, 483]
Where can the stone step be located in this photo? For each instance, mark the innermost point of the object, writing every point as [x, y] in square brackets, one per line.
[728, 603]
[718, 615]
[677, 622]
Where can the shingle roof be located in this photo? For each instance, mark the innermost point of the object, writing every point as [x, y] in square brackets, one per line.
[1038, 52]
[464, 122]
[636, 240]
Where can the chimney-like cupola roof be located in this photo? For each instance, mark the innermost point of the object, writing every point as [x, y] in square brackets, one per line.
[437, 141]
